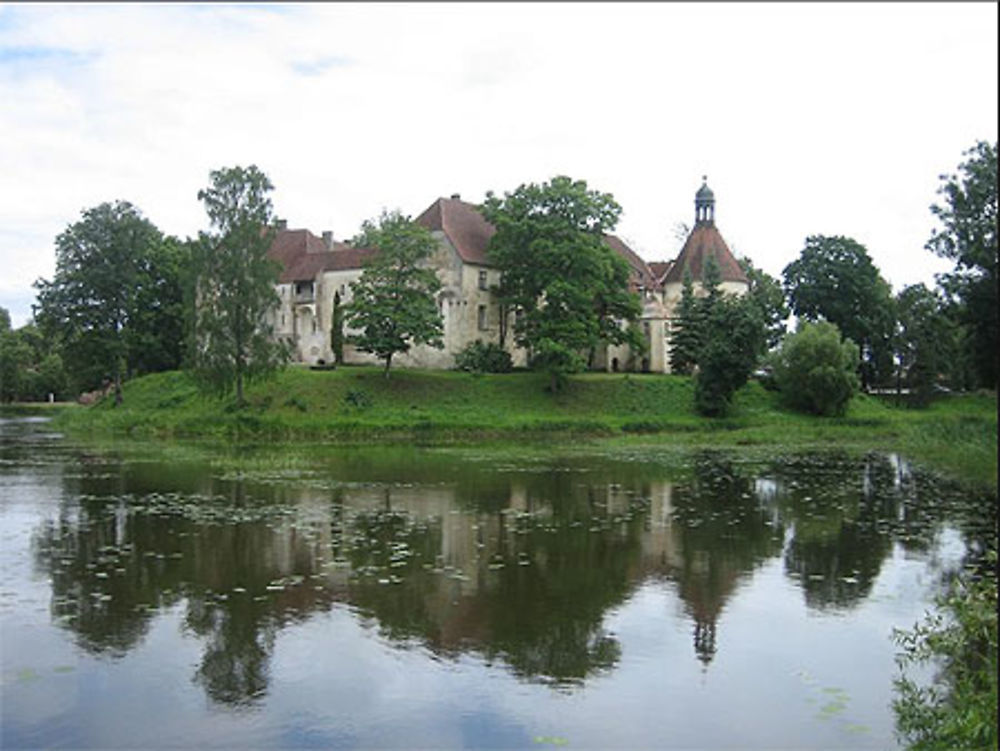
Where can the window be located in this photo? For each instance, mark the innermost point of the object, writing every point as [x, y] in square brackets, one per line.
[482, 317]
[482, 279]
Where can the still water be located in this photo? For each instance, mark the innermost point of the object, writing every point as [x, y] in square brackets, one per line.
[158, 596]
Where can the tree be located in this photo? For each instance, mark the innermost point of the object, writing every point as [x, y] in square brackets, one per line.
[337, 330]
[567, 287]
[766, 293]
[815, 371]
[688, 335]
[393, 301]
[735, 339]
[235, 287]
[104, 276]
[968, 236]
[924, 340]
[835, 280]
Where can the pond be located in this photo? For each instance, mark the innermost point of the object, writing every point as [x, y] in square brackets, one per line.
[581, 596]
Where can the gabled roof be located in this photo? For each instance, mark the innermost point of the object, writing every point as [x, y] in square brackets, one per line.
[463, 225]
[703, 241]
[470, 233]
[660, 269]
[642, 275]
[302, 255]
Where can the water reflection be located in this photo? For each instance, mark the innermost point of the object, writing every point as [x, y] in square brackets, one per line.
[518, 562]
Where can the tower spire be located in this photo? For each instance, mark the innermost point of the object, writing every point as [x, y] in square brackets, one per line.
[704, 204]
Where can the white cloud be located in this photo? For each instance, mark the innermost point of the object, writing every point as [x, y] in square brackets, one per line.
[808, 119]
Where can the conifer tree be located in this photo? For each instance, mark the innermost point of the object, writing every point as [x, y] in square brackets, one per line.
[686, 340]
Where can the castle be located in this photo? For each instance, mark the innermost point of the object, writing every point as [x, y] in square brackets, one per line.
[315, 269]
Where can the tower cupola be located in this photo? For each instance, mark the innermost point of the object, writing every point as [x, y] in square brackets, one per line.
[704, 204]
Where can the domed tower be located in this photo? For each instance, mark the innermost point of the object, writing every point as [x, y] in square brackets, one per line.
[703, 242]
[704, 204]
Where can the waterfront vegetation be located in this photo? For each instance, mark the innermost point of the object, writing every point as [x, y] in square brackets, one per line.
[957, 433]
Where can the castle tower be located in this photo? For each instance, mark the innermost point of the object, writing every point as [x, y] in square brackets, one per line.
[704, 241]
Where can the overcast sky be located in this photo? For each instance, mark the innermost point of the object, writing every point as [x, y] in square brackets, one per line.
[806, 118]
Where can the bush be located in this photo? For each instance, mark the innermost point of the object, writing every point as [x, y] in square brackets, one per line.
[959, 709]
[815, 371]
[483, 358]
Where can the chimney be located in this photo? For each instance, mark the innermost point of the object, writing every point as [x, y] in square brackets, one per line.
[456, 196]
[328, 239]
[281, 223]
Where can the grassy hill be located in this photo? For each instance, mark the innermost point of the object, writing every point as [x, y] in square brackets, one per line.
[356, 404]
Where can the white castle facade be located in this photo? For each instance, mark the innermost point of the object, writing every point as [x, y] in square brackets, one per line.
[315, 269]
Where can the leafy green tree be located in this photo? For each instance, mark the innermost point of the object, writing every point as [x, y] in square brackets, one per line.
[104, 277]
[734, 342]
[235, 283]
[924, 340]
[815, 371]
[766, 293]
[156, 337]
[835, 280]
[567, 287]
[337, 330]
[15, 358]
[968, 236]
[393, 301]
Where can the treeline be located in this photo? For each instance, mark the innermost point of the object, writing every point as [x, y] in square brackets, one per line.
[122, 300]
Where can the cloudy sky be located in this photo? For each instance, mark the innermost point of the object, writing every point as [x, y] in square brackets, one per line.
[806, 118]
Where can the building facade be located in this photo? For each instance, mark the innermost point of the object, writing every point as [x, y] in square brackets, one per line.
[316, 271]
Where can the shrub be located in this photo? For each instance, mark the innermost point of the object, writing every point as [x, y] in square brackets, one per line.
[815, 370]
[483, 358]
[959, 709]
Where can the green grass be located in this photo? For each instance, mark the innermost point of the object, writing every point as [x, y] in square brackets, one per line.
[356, 404]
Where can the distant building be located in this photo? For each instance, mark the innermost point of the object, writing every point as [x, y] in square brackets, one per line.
[314, 269]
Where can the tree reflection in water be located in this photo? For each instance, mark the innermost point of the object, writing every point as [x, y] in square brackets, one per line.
[522, 571]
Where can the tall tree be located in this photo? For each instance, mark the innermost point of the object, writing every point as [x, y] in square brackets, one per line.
[689, 329]
[104, 277]
[235, 287]
[734, 343]
[924, 340]
[834, 279]
[393, 303]
[968, 236]
[766, 293]
[337, 330]
[567, 287]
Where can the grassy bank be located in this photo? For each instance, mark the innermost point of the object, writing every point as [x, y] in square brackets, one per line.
[958, 433]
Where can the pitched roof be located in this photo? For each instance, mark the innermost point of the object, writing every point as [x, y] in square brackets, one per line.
[703, 241]
[463, 225]
[470, 233]
[660, 269]
[642, 275]
[302, 255]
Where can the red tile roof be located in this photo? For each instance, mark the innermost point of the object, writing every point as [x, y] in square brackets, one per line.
[703, 241]
[302, 255]
[470, 233]
[642, 275]
[463, 225]
[660, 269]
